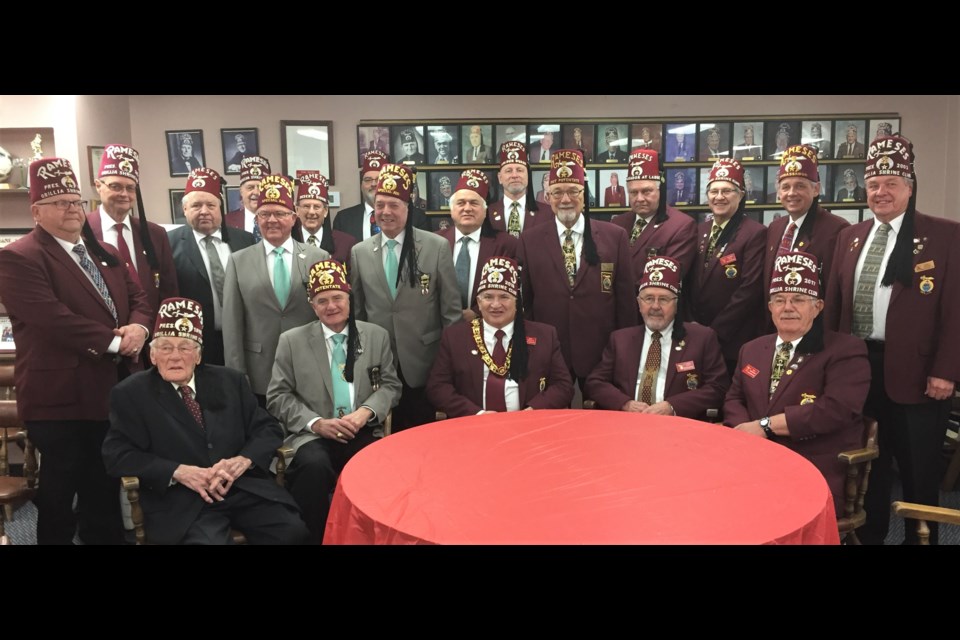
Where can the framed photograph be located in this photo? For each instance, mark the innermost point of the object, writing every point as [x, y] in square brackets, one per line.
[753, 185]
[540, 180]
[184, 151]
[773, 197]
[234, 201]
[593, 186]
[9, 236]
[850, 215]
[6, 334]
[419, 190]
[93, 156]
[848, 183]
[681, 142]
[816, 133]
[714, 141]
[779, 135]
[176, 206]
[579, 136]
[505, 132]
[307, 144]
[612, 188]
[612, 143]
[849, 135]
[885, 127]
[772, 214]
[704, 176]
[372, 139]
[681, 186]
[825, 175]
[440, 222]
[477, 141]
[408, 145]
[442, 184]
[647, 135]
[747, 141]
[443, 146]
[543, 142]
[237, 143]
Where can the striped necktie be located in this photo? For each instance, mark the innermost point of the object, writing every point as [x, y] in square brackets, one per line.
[570, 257]
[97, 278]
[786, 244]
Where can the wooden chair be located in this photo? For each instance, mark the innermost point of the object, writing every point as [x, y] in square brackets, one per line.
[953, 445]
[14, 491]
[923, 513]
[858, 474]
[375, 381]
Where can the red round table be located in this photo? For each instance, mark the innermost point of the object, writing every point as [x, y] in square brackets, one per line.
[579, 477]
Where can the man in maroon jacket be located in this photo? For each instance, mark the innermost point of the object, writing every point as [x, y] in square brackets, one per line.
[253, 169]
[499, 362]
[802, 387]
[663, 367]
[518, 209]
[896, 283]
[80, 322]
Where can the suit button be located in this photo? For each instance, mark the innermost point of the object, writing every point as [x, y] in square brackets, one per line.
[571, 297]
[209, 446]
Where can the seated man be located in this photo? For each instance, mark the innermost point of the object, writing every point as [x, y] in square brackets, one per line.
[499, 362]
[321, 390]
[199, 443]
[634, 376]
[802, 387]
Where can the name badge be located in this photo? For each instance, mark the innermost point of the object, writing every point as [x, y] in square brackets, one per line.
[606, 277]
[531, 340]
[725, 260]
[750, 371]
[686, 366]
[924, 266]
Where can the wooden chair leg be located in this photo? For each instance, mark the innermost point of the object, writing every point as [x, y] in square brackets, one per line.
[132, 486]
[8, 512]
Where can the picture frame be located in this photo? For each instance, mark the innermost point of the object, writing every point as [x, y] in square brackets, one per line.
[442, 184]
[883, 127]
[236, 143]
[850, 215]
[753, 185]
[682, 191]
[542, 139]
[747, 141]
[770, 215]
[94, 154]
[234, 201]
[647, 135]
[176, 206]
[714, 141]
[590, 177]
[9, 236]
[848, 184]
[184, 151]
[372, 138]
[477, 144]
[579, 135]
[681, 143]
[7, 344]
[307, 144]
[506, 132]
[610, 194]
[778, 136]
[817, 134]
[612, 143]
[408, 144]
[443, 144]
[538, 179]
[845, 148]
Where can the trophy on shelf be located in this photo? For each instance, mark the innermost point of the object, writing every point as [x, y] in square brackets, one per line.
[37, 154]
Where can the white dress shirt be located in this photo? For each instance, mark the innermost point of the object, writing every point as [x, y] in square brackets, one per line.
[249, 220]
[665, 342]
[577, 236]
[223, 250]
[511, 390]
[318, 235]
[367, 212]
[881, 297]
[396, 249]
[287, 247]
[108, 226]
[521, 209]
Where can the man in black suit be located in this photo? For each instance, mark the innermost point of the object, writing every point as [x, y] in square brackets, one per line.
[410, 148]
[185, 161]
[613, 153]
[201, 250]
[199, 443]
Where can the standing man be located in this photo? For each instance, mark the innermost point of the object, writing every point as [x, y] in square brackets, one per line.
[265, 291]
[143, 245]
[252, 170]
[80, 321]
[654, 229]
[896, 284]
[614, 195]
[313, 210]
[518, 209]
[202, 250]
[404, 281]
[472, 240]
[576, 272]
[727, 293]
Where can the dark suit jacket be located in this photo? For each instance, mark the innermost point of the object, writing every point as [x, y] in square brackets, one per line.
[455, 385]
[817, 235]
[499, 217]
[859, 194]
[922, 337]
[63, 327]
[485, 155]
[417, 158]
[503, 244]
[728, 295]
[152, 433]
[159, 284]
[675, 237]
[536, 150]
[822, 399]
[691, 392]
[685, 196]
[843, 152]
[180, 166]
[585, 315]
[687, 154]
[352, 219]
[619, 155]
[618, 199]
[195, 282]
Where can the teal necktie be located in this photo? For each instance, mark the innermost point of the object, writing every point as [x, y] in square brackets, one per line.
[281, 279]
[341, 388]
[391, 267]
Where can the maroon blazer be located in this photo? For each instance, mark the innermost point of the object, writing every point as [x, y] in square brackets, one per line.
[503, 244]
[823, 400]
[611, 199]
[235, 218]
[817, 235]
[342, 242]
[499, 220]
[675, 237]
[159, 284]
[922, 337]
[63, 327]
[455, 385]
[601, 300]
[728, 294]
[691, 392]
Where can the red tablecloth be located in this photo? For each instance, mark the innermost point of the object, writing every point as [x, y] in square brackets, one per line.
[579, 477]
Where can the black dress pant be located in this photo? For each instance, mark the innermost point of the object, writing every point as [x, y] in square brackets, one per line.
[413, 409]
[261, 521]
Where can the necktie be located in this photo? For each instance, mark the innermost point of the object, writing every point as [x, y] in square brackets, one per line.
[313, 240]
[391, 266]
[544, 156]
[679, 196]
[786, 244]
[494, 399]
[257, 236]
[341, 388]
[374, 227]
[513, 226]
[570, 257]
[650, 370]
[714, 236]
[779, 365]
[638, 228]
[125, 252]
[867, 285]
[463, 272]
[97, 278]
[192, 405]
[281, 279]
[216, 267]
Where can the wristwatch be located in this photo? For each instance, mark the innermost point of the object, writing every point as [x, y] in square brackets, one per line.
[765, 425]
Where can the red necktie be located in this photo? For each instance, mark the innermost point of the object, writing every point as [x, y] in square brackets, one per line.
[786, 245]
[125, 252]
[495, 400]
[192, 405]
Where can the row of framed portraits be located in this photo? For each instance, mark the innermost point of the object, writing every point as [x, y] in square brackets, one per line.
[756, 140]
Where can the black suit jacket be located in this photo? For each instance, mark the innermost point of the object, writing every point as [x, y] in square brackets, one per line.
[352, 219]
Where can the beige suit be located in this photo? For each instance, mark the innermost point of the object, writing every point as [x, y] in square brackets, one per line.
[252, 317]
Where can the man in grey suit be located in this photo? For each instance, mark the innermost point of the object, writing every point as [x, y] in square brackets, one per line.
[322, 391]
[265, 292]
[404, 281]
[201, 251]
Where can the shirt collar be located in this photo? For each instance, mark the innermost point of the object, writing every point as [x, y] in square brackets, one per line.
[328, 333]
[577, 226]
[508, 203]
[399, 239]
[68, 246]
[666, 333]
[192, 383]
[475, 236]
[106, 222]
[798, 221]
[286, 246]
[490, 331]
[896, 223]
[199, 236]
[780, 341]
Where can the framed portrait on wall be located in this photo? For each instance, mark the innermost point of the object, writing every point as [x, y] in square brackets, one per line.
[681, 186]
[176, 206]
[772, 214]
[647, 135]
[237, 143]
[505, 132]
[612, 143]
[848, 183]
[780, 134]
[849, 136]
[307, 144]
[704, 176]
[477, 141]
[681, 142]
[539, 180]
[419, 190]
[753, 185]
[443, 146]
[747, 141]
[442, 184]
[234, 201]
[184, 151]
[883, 127]
[773, 196]
[372, 139]
[93, 156]
[579, 136]
[816, 133]
[543, 142]
[408, 144]
[714, 141]
[612, 188]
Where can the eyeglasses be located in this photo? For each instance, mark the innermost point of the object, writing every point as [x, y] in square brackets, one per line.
[795, 301]
[279, 215]
[63, 205]
[659, 301]
[726, 193]
[571, 193]
[116, 187]
[168, 349]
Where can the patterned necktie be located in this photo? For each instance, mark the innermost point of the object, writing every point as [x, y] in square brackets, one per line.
[650, 370]
[391, 267]
[638, 228]
[570, 257]
[216, 267]
[97, 278]
[341, 388]
[125, 252]
[192, 405]
[714, 236]
[313, 240]
[257, 236]
[374, 227]
[463, 272]
[494, 399]
[867, 285]
[786, 244]
[780, 365]
[281, 279]
[513, 226]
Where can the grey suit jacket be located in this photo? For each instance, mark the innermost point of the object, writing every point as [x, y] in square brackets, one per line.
[252, 317]
[301, 388]
[414, 320]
